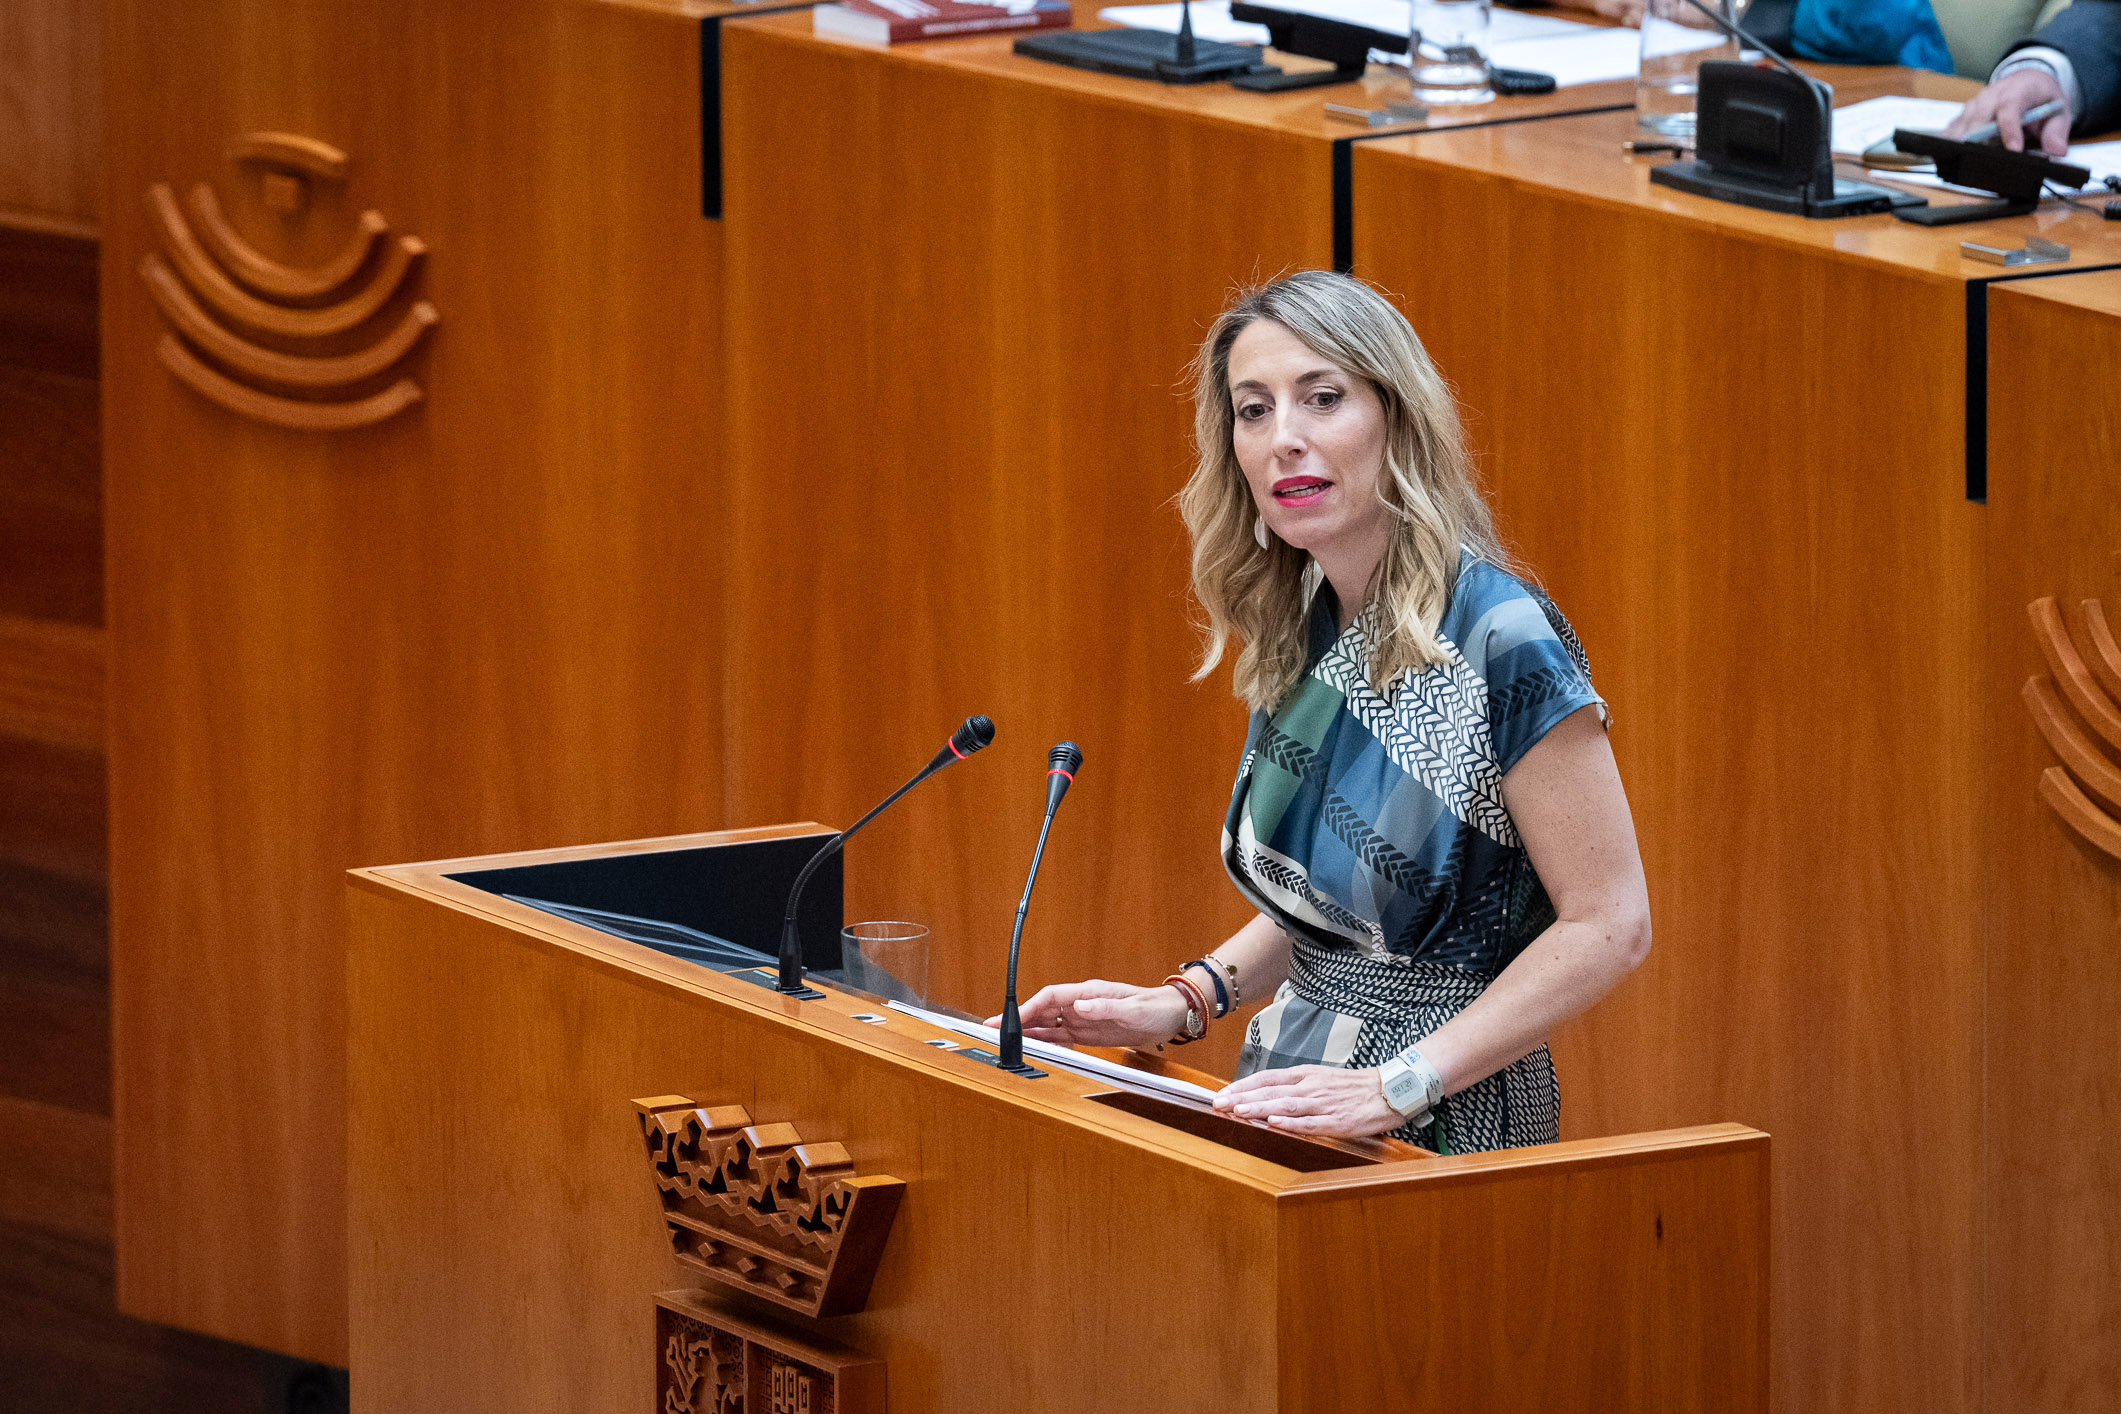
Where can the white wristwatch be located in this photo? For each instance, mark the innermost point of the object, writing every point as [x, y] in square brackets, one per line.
[1412, 1085]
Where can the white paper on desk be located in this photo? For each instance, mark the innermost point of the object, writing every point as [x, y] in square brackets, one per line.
[1096, 1067]
[1211, 20]
[1596, 56]
[1862, 125]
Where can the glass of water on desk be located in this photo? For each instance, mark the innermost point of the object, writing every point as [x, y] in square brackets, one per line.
[1676, 38]
[1449, 54]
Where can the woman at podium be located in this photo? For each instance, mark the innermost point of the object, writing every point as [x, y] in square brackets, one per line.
[1427, 815]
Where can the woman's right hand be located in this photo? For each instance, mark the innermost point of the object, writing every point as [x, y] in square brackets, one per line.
[1099, 1013]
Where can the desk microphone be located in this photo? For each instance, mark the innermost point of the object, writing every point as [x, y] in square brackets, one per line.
[974, 734]
[1061, 766]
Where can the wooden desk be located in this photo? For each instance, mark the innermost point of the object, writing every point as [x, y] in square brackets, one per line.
[2053, 1159]
[1049, 1252]
[963, 286]
[1736, 447]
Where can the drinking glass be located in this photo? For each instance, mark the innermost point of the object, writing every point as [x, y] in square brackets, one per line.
[1449, 53]
[889, 959]
[1676, 37]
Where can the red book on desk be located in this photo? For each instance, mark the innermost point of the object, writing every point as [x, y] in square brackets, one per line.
[896, 21]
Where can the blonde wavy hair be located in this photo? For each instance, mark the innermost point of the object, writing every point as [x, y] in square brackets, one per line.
[1262, 596]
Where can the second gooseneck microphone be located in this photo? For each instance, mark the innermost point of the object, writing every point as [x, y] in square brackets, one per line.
[974, 734]
[1061, 766]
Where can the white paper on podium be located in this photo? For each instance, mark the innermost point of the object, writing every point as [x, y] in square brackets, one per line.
[1573, 53]
[1096, 1067]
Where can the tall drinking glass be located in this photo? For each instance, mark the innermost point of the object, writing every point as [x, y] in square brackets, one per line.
[886, 959]
[1450, 51]
[1676, 38]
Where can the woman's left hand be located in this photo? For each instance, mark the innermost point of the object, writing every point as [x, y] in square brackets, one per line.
[1313, 1099]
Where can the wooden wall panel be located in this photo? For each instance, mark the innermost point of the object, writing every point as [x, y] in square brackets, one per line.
[965, 421]
[1779, 583]
[489, 622]
[64, 1349]
[2052, 1142]
[50, 92]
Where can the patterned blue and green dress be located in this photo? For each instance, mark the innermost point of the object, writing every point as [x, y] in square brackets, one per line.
[1370, 825]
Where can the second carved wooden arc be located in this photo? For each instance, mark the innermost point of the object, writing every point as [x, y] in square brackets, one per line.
[2105, 657]
[270, 365]
[240, 307]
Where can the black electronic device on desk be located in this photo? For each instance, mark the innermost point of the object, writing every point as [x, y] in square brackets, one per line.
[1763, 138]
[2017, 178]
[1144, 53]
[1345, 46]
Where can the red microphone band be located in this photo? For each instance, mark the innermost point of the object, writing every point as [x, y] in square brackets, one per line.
[952, 744]
[1063, 771]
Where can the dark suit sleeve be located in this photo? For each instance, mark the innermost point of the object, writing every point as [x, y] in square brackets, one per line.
[2089, 32]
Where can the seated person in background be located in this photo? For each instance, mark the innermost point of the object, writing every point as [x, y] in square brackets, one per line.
[2074, 60]
[1427, 817]
[1830, 31]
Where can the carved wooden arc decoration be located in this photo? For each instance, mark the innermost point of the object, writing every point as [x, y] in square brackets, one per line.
[324, 369]
[269, 277]
[2086, 793]
[756, 1208]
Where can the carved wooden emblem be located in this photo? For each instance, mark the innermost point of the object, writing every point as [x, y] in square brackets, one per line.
[712, 1361]
[2086, 668]
[308, 347]
[756, 1208]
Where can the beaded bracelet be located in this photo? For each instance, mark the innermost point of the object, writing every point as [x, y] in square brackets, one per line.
[1236, 997]
[1222, 993]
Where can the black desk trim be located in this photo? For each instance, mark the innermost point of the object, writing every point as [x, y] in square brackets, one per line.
[1977, 368]
[711, 102]
[1344, 167]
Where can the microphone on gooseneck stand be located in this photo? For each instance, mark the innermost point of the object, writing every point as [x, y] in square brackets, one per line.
[1061, 766]
[974, 734]
[1186, 52]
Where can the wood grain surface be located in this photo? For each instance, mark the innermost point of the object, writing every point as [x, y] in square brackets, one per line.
[2050, 1149]
[1732, 448]
[64, 1349]
[51, 91]
[512, 1266]
[488, 622]
[1423, 1281]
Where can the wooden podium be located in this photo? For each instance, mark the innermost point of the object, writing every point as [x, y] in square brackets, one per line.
[538, 1105]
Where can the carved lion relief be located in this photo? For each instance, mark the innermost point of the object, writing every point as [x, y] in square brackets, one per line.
[2076, 709]
[711, 1360]
[307, 347]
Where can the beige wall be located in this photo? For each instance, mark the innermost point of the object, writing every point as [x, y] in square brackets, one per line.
[50, 133]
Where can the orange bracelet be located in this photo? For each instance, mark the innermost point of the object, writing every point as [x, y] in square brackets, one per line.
[1197, 1004]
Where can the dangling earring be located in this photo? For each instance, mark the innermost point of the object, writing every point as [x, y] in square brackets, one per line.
[1259, 530]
